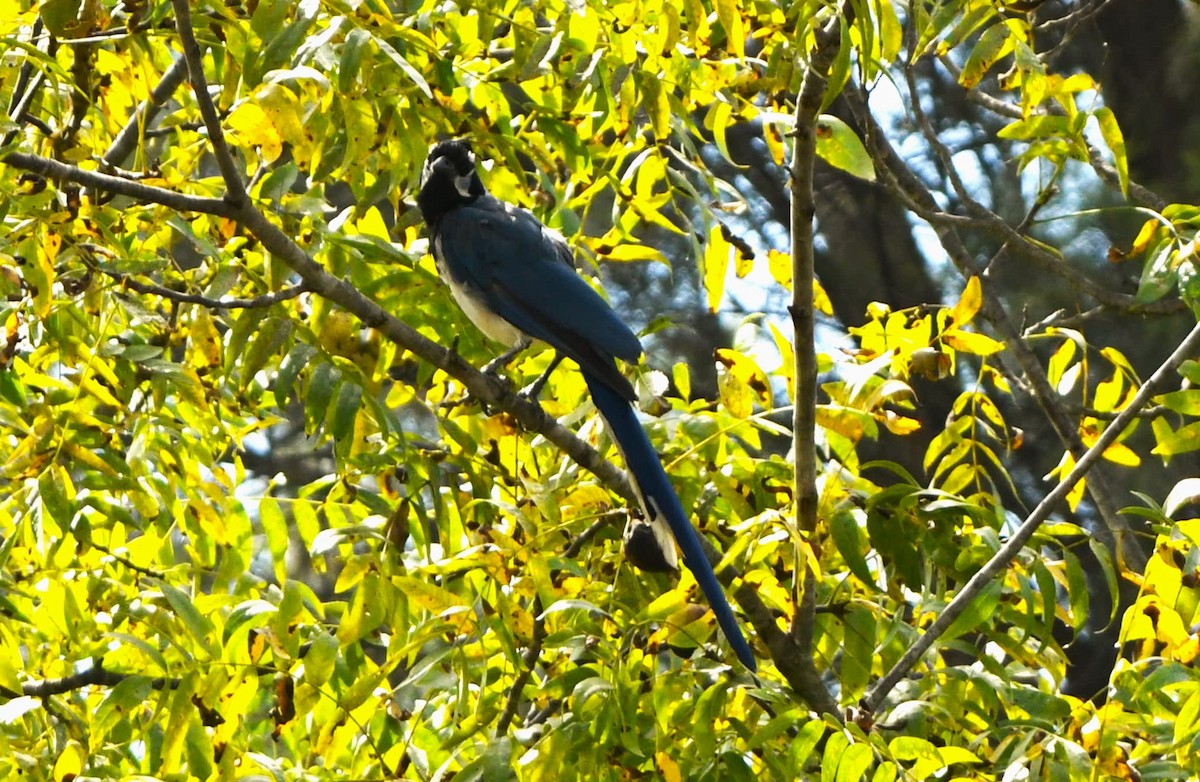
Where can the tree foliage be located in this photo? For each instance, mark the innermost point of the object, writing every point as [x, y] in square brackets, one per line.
[261, 517]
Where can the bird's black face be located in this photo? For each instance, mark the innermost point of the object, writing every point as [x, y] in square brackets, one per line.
[448, 179]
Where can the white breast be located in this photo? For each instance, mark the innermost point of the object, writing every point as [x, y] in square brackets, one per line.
[471, 302]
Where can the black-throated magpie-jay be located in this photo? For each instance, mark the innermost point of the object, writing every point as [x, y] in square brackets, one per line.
[515, 279]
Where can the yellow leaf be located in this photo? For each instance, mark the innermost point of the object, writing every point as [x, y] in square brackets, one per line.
[250, 127]
[70, 761]
[717, 120]
[821, 301]
[1117, 453]
[91, 385]
[1121, 454]
[898, 424]
[1075, 496]
[968, 303]
[658, 105]
[780, 266]
[742, 382]
[631, 252]
[1150, 230]
[204, 340]
[841, 420]
[668, 767]
[971, 342]
[787, 354]
[371, 224]
[284, 111]
[435, 600]
[716, 266]
[730, 14]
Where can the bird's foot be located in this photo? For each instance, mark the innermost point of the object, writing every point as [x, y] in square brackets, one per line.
[534, 389]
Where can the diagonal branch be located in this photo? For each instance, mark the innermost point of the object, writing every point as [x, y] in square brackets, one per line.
[127, 139]
[181, 202]
[1000, 561]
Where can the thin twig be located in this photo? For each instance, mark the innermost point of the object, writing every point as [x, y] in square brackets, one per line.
[208, 110]
[1002, 558]
[528, 661]
[127, 562]
[25, 88]
[582, 538]
[262, 300]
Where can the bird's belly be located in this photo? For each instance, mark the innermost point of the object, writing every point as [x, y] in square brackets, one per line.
[488, 322]
[491, 324]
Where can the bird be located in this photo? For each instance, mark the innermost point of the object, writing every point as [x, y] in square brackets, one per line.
[515, 279]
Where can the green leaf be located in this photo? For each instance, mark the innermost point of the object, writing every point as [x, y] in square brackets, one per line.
[12, 389]
[275, 527]
[981, 608]
[994, 44]
[179, 717]
[1172, 443]
[345, 409]
[296, 359]
[200, 628]
[859, 651]
[847, 536]
[839, 146]
[351, 59]
[730, 15]
[320, 659]
[199, 751]
[405, 66]
[255, 613]
[1159, 274]
[1110, 131]
[52, 488]
[325, 380]
[805, 743]
[272, 334]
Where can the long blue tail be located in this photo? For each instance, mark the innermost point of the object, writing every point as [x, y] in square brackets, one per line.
[660, 497]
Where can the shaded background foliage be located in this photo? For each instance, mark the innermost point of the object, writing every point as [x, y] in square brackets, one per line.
[241, 529]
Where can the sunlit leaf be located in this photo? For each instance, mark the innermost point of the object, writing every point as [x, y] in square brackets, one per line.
[839, 146]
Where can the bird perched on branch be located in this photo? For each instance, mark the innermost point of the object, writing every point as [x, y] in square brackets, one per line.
[515, 279]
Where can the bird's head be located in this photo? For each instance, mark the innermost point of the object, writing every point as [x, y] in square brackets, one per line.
[449, 179]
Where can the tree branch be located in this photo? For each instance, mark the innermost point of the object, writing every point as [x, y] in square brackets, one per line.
[180, 202]
[792, 652]
[1000, 561]
[208, 110]
[150, 289]
[528, 660]
[95, 676]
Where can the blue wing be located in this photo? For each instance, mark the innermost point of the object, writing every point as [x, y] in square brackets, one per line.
[506, 257]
